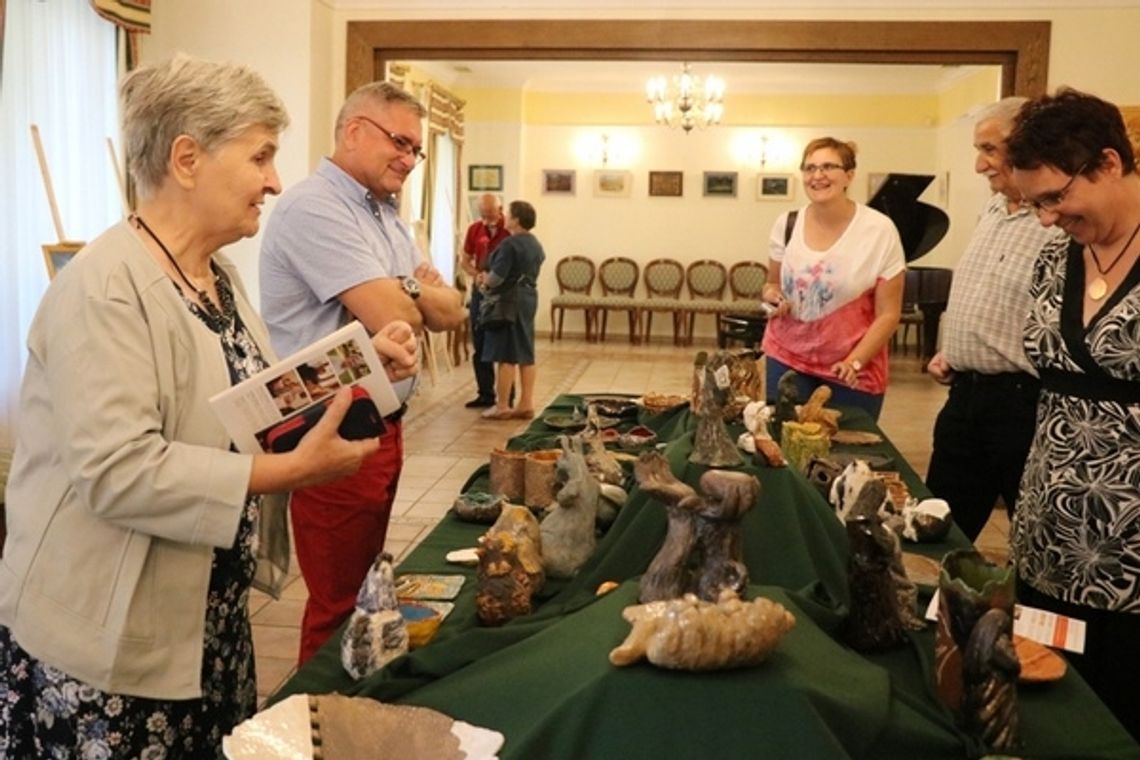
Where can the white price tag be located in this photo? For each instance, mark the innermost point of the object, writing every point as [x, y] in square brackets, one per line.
[722, 377]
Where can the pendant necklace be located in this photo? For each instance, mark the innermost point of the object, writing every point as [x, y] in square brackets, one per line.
[203, 297]
[1098, 287]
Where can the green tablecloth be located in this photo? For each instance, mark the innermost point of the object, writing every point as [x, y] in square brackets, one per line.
[545, 682]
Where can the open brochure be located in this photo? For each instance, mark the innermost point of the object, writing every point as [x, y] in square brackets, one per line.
[272, 410]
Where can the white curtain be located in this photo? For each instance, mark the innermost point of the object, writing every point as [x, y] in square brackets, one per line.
[444, 197]
[59, 72]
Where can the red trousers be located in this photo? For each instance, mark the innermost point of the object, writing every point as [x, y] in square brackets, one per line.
[338, 529]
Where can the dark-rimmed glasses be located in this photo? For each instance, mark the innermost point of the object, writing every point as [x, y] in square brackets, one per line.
[811, 169]
[403, 144]
[1050, 201]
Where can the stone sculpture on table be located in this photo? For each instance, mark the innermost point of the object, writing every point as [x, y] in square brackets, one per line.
[758, 440]
[601, 462]
[510, 567]
[568, 539]
[702, 553]
[815, 411]
[376, 633]
[990, 668]
[883, 598]
[692, 634]
[786, 399]
[712, 445]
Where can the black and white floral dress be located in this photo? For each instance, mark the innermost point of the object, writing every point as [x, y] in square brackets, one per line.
[1076, 533]
[44, 713]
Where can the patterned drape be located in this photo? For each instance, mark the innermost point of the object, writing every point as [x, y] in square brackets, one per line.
[133, 19]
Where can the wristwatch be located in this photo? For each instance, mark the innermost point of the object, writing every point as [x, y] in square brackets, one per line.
[856, 365]
[411, 286]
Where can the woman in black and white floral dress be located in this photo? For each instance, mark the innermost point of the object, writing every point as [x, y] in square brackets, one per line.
[1076, 534]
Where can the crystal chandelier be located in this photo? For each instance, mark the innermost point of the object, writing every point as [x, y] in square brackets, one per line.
[686, 101]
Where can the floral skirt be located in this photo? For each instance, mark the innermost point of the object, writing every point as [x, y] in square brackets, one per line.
[44, 713]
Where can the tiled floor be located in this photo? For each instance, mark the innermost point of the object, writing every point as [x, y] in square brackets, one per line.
[444, 443]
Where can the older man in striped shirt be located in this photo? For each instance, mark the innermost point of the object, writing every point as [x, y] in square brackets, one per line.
[982, 434]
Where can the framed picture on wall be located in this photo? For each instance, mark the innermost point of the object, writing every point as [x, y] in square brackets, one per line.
[775, 187]
[485, 177]
[558, 181]
[612, 184]
[720, 184]
[666, 184]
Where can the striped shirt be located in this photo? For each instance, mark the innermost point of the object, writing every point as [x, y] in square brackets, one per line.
[989, 298]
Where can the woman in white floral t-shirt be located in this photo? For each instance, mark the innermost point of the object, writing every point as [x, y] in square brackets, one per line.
[836, 285]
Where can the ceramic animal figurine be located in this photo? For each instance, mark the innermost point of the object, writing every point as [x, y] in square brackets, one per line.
[719, 559]
[847, 486]
[711, 444]
[814, 411]
[602, 463]
[510, 567]
[691, 634]
[874, 622]
[786, 399]
[376, 633]
[990, 668]
[869, 504]
[702, 552]
[568, 539]
[669, 574]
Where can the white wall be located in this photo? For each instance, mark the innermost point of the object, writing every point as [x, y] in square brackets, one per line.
[688, 228]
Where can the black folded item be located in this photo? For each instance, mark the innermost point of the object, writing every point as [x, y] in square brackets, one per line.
[362, 420]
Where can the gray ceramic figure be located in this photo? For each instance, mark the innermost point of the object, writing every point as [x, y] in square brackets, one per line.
[712, 444]
[786, 400]
[568, 539]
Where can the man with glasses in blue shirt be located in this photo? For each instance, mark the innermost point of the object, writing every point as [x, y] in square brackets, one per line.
[335, 249]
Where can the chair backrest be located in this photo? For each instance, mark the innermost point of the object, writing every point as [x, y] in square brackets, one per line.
[664, 278]
[746, 280]
[575, 274]
[618, 276]
[707, 279]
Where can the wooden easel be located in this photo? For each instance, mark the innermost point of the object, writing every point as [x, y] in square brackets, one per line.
[56, 255]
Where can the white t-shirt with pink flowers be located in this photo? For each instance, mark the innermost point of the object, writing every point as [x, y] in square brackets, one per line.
[832, 294]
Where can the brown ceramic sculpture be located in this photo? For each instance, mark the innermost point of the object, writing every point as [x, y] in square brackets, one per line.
[510, 567]
[538, 471]
[989, 678]
[702, 552]
[712, 444]
[691, 634]
[568, 538]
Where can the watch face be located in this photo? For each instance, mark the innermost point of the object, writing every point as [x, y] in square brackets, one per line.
[411, 286]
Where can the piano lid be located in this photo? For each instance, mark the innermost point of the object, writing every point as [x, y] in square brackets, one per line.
[920, 225]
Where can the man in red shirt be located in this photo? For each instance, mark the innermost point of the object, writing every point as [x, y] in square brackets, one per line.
[483, 236]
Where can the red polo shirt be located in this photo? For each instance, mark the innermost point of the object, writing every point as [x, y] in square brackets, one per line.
[480, 242]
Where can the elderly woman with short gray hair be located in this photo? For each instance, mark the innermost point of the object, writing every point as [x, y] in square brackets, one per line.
[134, 529]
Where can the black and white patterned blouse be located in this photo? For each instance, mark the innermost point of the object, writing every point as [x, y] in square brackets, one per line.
[1076, 533]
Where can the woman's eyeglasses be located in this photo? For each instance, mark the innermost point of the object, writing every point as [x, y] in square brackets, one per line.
[403, 144]
[810, 169]
[1050, 201]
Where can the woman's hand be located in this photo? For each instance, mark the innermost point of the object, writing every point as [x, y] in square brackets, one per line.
[396, 345]
[773, 296]
[322, 455]
[847, 371]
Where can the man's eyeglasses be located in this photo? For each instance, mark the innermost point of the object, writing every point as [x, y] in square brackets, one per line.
[403, 144]
[810, 169]
[1050, 201]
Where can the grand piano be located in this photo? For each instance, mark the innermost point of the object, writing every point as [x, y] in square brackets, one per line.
[921, 227]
